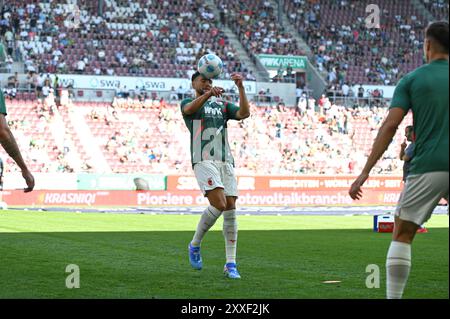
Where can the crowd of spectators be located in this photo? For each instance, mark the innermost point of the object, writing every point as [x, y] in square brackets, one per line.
[43, 136]
[167, 37]
[438, 8]
[150, 136]
[348, 51]
[257, 27]
[130, 38]
[275, 140]
[281, 141]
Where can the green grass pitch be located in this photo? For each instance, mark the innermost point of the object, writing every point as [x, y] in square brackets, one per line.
[145, 256]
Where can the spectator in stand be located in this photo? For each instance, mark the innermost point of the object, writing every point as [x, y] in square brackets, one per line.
[13, 81]
[173, 95]
[289, 74]
[250, 76]
[345, 90]
[46, 89]
[80, 66]
[360, 94]
[9, 64]
[268, 95]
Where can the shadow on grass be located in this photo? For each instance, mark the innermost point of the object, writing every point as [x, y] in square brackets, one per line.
[273, 264]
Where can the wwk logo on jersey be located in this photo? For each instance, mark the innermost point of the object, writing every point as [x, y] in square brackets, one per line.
[213, 111]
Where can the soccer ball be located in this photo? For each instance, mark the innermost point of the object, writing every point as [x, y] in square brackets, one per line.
[210, 66]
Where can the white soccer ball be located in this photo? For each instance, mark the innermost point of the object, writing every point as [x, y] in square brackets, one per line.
[210, 66]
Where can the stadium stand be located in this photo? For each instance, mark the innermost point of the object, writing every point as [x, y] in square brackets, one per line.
[165, 39]
[149, 136]
[131, 38]
[438, 8]
[255, 22]
[353, 54]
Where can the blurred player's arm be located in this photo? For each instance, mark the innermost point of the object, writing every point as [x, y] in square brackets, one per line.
[380, 145]
[244, 107]
[196, 104]
[10, 145]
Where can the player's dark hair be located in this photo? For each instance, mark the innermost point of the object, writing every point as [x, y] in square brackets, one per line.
[197, 74]
[194, 76]
[438, 32]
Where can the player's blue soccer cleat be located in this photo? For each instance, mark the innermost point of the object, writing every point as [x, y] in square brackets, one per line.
[231, 271]
[195, 258]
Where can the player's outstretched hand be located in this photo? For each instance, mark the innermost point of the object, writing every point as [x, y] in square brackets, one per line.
[238, 80]
[29, 179]
[355, 191]
[216, 91]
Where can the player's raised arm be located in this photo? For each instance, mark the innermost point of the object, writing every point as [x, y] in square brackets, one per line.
[244, 107]
[196, 104]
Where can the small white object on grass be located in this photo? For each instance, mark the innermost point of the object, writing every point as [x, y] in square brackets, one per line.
[331, 282]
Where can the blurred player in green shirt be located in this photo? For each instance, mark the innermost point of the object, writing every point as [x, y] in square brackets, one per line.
[424, 92]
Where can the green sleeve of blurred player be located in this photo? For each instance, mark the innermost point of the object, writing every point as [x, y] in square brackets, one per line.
[2, 103]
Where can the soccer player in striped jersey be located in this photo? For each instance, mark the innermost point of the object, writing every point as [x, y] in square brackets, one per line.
[206, 117]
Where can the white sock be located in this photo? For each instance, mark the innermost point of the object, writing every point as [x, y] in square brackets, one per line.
[230, 233]
[208, 219]
[398, 265]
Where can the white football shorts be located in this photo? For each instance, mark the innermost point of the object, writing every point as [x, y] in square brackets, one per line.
[216, 174]
[421, 195]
